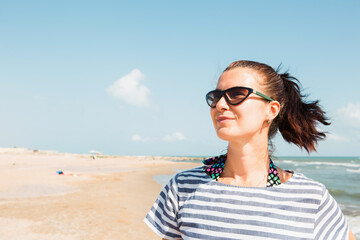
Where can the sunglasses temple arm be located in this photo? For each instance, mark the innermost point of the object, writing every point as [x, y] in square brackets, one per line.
[263, 95]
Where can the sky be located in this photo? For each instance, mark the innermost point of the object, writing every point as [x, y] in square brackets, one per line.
[130, 77]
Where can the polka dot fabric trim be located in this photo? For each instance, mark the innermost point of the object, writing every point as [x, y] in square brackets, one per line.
[214, 167]
[273, 177]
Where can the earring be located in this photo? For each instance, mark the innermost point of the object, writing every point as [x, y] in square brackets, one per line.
[268, 121]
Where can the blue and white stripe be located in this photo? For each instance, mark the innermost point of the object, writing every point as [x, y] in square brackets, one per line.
[194, 206]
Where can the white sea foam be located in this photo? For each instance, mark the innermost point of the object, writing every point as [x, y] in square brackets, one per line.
[297, 163]
[290, 162]
[353, 170]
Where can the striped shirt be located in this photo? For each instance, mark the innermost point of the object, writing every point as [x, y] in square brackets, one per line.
[194, 206]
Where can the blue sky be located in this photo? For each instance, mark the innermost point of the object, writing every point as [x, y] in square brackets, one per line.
[129, 77]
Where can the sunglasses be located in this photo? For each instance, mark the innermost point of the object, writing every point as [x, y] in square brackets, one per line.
[233, 96]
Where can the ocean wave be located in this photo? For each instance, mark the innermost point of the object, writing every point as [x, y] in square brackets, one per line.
[342, 193]
[353, 170]
[297, 163]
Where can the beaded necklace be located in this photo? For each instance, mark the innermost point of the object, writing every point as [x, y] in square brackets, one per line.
[215, 166]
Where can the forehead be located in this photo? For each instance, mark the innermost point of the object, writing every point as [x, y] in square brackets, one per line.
[240, 77]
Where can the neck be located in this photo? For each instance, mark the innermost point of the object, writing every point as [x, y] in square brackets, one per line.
[247, 163]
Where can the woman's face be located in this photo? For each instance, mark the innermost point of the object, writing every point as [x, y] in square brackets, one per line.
[243, 121]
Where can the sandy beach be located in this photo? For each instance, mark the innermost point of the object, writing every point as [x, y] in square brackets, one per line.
[102, 198]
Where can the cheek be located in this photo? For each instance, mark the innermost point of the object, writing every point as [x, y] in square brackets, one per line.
[213, 114]
[252, 119]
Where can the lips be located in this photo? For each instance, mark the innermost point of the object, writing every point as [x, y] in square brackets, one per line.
[222, 119]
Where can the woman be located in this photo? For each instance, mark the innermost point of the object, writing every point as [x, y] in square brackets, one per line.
[242, 194]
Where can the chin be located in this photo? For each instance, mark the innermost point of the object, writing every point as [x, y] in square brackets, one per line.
[225, 134]
[228, 134]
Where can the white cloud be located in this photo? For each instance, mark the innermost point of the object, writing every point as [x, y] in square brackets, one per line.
[336, 137]
[138, 138]
[129, 89]
[177, 136]
[351, 113]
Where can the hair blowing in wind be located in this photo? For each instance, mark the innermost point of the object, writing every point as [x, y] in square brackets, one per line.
[298, 118]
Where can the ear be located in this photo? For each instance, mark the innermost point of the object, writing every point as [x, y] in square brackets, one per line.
[273, 110]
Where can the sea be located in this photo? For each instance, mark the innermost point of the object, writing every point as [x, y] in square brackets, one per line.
[341, 176]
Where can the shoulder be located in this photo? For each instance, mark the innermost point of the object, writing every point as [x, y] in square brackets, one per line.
[301, 179]
[196, 173]
[186, 182]
[202, 173]
[301, 184]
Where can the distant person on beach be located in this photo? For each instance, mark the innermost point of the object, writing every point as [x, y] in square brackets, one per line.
[243, 194]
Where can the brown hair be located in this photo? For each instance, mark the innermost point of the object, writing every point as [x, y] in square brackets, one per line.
[298, 118]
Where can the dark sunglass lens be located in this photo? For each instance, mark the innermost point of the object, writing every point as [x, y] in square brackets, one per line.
[212, 98]
[237, 95]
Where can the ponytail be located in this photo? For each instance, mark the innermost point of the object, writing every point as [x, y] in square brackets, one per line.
[298, 118]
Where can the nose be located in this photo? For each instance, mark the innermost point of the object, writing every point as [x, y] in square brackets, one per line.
[222, 104]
